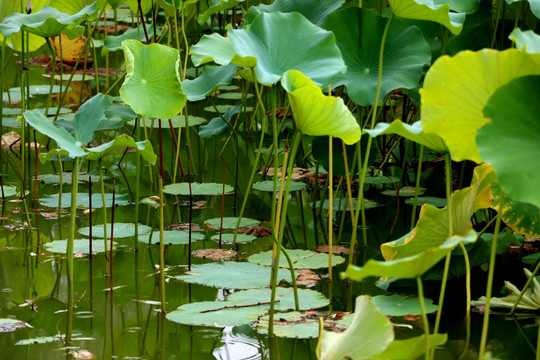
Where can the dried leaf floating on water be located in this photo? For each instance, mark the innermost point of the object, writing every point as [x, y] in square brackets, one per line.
[215, 254]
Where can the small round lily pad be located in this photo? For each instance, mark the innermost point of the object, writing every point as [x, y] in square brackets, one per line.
[375, 180]
[8, 191]
[230, 222]
[308, 299]
[223, 108]
[121, 230]
[9, 325]
[233, 96]
[240, 238]
[232, 275]
[342, 204]
[83, 200]
[197, 189]
[268, 185]
[80, 246]
[435, 201]
[406, 191]
[399, 305]
[171, 237]
[301, 259]
[39, 340]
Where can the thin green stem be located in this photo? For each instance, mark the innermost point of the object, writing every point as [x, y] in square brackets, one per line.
[69, 248]
[417, 186]
[527, 284]
[468, 304]
[161, 247]
[424, 315]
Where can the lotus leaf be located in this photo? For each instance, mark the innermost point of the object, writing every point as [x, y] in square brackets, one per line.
[121, 142]
[197, 189]
[377, 180]
[456, 89]
[308, 299]
[216, 6]
[46, 22]
[121, 230]
[80, 246]
[293, 325]
[412, 132]
[208, 81]
[407, 267]
[219, 125]
[152, 85]
[406, 191]
[171, 237]
[527, 41]
[317, 114]
[232, 275]
[399, 305]
[74, 6]
[437, 202]
[193, 121]
[369, 334]
[7, 191]
[343, 204]
[529, 302]
[275, 43]
[430, 10]
[83, 200]
[521, 217]
[412, 348]
[301, 259]
[514, 119]
[315, 11]
[229, 238]
[268, 186]
[359, 35]
[230, 222]
[113, 43]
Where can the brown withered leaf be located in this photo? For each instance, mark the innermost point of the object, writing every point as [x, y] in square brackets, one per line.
[336, 249]
[214, 254]
[281, 112]
[297, 172]
[308, 278]
[185, 226]
[256, 230]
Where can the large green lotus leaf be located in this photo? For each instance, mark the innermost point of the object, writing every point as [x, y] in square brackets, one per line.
[523, 218]
[529, 302]
[171, 237]
[83, 200]
[146, 5]
[80, 246]
[359, 35]
[535, 7]
[213, 47]
[432, 227]
[412, 132]
[369, 334]
[301, 259]
[399, 305]
[152, 85]
[7, 190]
[121, 142]
[74, 6]
[464, 6]
[407, 267]
[317, 114]
[114, 42]
[46, 22]
[191, 314]
[315, 11]
[308, 299]
[216, 6]
[412, 348]
[197, 189]
[430, 10]
[525, 40]
[514, 121]
[230, 222]
[233, 275]
[457, 88]
[64, 139]
[208, 81]
[221, 124]
[121, 230]
[34, 42]
[229, 238]
[88, 116]
[281, 42]
[268, 186]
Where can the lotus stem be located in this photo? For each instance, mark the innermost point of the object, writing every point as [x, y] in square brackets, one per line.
[162, 247]
[69, 248]
[190, 209]
[468, 304]
[104, 204]
[330, 215]
[491, 271]
[424, 316]
[417, 186]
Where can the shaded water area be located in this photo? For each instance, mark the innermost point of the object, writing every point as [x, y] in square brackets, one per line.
[117, 294]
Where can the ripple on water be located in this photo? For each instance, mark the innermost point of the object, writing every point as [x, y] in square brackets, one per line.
[239, 346]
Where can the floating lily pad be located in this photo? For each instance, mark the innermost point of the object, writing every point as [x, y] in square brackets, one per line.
[197, 189]
[175, 120]
[240, 238]
[342, 204]
[405, 191]
[8, 191]
[66, 178]
[194, 314]
[9, 325]
[80, 246]
[41, 90]
[234, 96]
[435, 201]
[308, 299]
[83, 200]
[171, 237]
[268, 185]
[376, 180]
[230, 222]
[232, 275]
[76, 77]
[221, 124]
[39, 340]
[301, 259]
[121, 230]
[223, 108]
[399, 305]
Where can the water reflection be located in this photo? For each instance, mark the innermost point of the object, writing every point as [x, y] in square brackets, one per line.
[237, 345]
